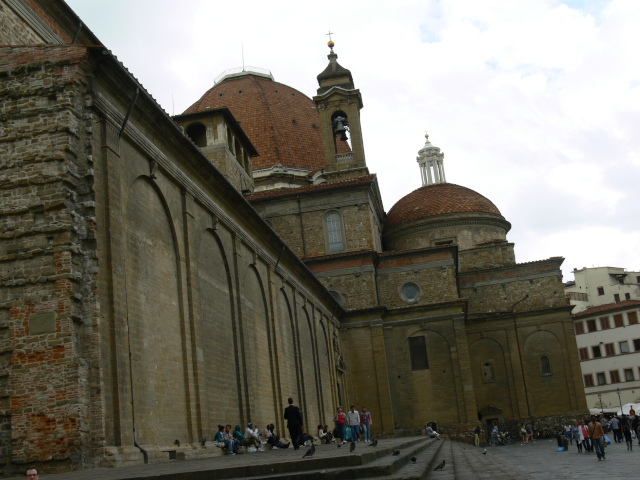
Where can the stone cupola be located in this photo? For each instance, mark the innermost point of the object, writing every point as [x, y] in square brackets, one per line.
[431, 162]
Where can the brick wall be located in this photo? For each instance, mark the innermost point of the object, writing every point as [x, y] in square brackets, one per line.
[13, 30]
[47, 256]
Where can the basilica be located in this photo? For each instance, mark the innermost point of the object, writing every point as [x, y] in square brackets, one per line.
[162, 275]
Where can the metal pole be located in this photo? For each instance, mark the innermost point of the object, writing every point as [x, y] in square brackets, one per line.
[619, 401]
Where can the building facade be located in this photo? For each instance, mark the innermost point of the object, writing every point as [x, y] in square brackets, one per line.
[608, 339]
[600, 286]
[163, 275]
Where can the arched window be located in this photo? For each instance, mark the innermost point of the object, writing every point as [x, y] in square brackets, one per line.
[545, 366]
[334, 232]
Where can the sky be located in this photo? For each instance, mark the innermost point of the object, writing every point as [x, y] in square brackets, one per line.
[535, 104]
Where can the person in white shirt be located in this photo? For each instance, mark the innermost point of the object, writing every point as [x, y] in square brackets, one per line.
[353, 420]
[431, 432]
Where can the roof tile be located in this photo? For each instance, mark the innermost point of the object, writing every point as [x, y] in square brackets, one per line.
[438, 199]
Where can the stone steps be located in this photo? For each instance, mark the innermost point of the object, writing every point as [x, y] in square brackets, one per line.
[370, 463]
[463, 462]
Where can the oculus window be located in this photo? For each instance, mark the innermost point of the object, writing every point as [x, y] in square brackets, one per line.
[410, 292]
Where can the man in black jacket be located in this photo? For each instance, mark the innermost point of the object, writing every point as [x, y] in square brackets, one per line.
[293, 416]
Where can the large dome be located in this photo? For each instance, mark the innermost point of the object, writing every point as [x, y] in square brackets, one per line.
[438, 199]
[443, 213]
[281, 122]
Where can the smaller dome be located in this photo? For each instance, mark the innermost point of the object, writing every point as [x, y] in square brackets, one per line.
[438, 199]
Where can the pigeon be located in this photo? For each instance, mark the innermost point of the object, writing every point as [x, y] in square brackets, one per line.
[352, 447]
[310, 452]
[440, 466]
[374, 443]
[396, 452]
[309, 438]
[413, 459]
[485, 452]
[177, 442]
[339, 445]
[204, 442]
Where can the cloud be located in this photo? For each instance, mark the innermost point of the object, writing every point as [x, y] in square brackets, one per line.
[535, 104]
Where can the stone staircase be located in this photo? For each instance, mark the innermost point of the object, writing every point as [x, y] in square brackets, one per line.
[329, 462]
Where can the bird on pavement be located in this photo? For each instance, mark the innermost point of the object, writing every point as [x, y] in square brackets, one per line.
[339, 445]
[396, 452]
[353, 446]
[440, 466]
[177, 442]
[413, 459]
[485, 452]
[374, 443]
[311, 451]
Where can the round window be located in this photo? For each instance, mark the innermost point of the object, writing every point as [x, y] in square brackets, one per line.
[410, 292]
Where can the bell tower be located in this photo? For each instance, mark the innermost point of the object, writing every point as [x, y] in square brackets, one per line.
[339, 104]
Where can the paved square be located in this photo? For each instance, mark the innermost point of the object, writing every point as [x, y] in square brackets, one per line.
[542, 460]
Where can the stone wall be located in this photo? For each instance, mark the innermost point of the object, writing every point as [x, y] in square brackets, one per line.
[136, 245]
[522, 287]
[465, 230]
[13, 29]
[47, 256]
[301, 220]
[433, 273]
[487, 256]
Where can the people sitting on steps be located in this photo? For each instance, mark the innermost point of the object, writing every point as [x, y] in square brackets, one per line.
[431, 432]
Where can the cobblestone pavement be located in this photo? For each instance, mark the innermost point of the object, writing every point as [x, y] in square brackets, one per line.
[543, 461]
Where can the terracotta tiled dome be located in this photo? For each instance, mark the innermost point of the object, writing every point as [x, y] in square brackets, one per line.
[281, 122]
[438, 199]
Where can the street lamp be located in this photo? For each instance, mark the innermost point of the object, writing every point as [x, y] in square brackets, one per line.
[600, 400]
[619, 401]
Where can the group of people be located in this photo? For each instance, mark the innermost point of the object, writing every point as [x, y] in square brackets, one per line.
[252, 437]
[527, 433]
[357, 422]
[589, 433]
[627, 426]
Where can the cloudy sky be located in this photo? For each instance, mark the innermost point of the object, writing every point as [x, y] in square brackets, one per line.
[535, 103]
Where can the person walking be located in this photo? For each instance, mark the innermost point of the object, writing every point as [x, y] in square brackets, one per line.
[596, 433]
[365, 424]
[340, 419]
[626, 430]
[586, 442]
[353, 420]
[576, 431]
[293, 416]
[615, 429]
[476, 436]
